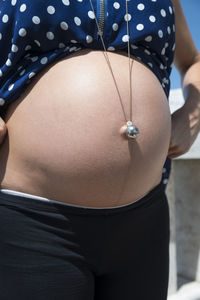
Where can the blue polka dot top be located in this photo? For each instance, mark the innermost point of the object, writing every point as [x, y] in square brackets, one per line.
[36, 33]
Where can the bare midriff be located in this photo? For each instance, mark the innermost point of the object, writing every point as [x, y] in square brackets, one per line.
[64, 140]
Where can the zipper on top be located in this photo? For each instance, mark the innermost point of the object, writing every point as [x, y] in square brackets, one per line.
[101, 18]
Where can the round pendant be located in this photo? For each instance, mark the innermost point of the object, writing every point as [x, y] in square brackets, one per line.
[131, 131]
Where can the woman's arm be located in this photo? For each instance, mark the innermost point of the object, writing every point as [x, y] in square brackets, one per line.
[186, 120]
[3, 130]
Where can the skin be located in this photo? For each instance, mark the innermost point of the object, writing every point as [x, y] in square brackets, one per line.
[94, 165]
[186, 120]
[119, 172]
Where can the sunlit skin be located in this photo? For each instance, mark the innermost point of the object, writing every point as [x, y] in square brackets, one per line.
[73, 151]
[76, 151]
[186, 120]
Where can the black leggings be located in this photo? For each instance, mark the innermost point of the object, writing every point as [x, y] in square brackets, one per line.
[56, 251]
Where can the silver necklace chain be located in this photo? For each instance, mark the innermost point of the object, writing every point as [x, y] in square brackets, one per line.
[132, 131]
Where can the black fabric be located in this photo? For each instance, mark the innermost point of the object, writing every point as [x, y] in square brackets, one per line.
[53, 251]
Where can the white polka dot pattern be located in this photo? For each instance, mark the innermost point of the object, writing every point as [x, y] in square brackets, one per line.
[54, 25]
[36, 20]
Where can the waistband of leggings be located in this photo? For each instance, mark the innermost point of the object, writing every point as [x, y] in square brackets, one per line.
[57, 206]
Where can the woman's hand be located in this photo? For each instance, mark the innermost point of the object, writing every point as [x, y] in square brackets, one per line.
[184, 131]
[3, 130]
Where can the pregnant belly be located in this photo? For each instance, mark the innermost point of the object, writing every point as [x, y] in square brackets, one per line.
[64, 138]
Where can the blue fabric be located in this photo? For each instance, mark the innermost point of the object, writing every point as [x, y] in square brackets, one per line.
[34, 34]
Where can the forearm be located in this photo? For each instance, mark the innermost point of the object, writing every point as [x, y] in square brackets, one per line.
[191, 91]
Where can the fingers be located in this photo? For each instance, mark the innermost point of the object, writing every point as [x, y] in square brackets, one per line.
[174, 155]
[175, 152]
[3, 130]
[178, 150]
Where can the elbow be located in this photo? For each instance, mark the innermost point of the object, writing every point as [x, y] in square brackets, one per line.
[188, 64]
